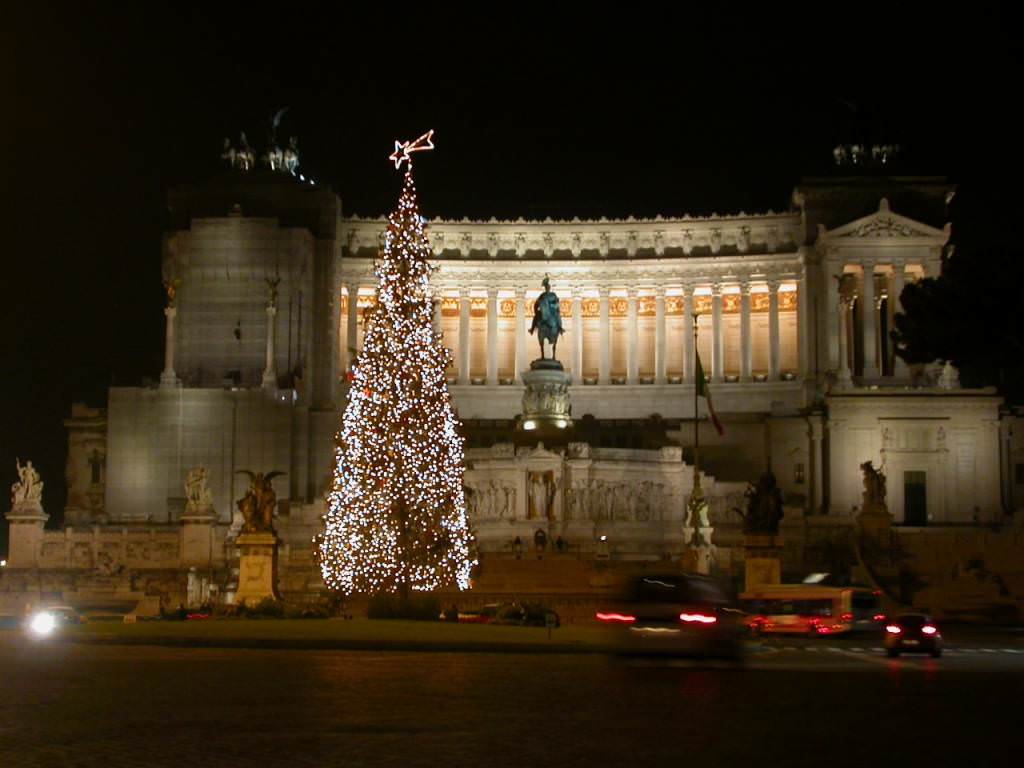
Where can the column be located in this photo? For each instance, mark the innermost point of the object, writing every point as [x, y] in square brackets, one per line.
[522, 363]
[169, 378]
[832, 276]
[688, 333]
[605, 345]
[632, 338]
[577, 334]
[437, 305]
[492, 337]
[868, 318]
[843, 311]
[803, 324]
[717, 337]
[746, 336]
[817, 479]
[773, 330]
[352, 324]
[270, 367]
[464, 303]
[899, 368]
[659, 336]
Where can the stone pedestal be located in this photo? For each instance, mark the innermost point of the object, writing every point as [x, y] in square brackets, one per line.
[25, 541]
[546, 403]
[763, 556]
[257, 569]
[697, 556]
[197, 538]
[875, 522]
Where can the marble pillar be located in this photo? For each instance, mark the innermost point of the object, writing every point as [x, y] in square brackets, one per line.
[717, 336]
[269, 381]
[169, 378]
[464, 306]
[632, 338]
[605, 343]
[522, 361]
[577, 335]
[660, 376]
[746, 342]
[898, 277]
[867, 315]
[352, 323]
[688, 349]
[492, 336]
[773, 331]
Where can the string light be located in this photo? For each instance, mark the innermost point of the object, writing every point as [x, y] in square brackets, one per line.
[396, 516]
[403, 150]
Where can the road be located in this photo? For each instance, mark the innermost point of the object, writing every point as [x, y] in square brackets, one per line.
[795, 704]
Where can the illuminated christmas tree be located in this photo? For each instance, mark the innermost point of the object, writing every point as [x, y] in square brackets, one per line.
[396, 517]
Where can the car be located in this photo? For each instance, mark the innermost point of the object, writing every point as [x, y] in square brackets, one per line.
[679, 614]
[912, 633]
[46, 620]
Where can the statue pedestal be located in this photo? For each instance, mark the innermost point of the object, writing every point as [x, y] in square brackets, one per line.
[763, 559]
[546, 403]
[875, 522]
[697, 556]
[257, 569]
[197, 537]
[26, 520]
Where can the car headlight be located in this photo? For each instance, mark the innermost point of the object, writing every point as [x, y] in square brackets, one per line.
[42, 623]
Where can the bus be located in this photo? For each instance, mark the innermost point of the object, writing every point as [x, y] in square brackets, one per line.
[811, 609]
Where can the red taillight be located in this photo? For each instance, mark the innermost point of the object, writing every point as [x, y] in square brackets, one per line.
[928, 629]
[892, 629]
[620, 617]
[847, 617]
[697, 618]
[879, 617]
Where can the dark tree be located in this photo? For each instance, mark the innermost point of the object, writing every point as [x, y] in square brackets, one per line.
[973, 314]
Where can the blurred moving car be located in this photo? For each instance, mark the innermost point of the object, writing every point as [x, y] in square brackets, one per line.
[46, 621]
[685, 614]
[912, 633]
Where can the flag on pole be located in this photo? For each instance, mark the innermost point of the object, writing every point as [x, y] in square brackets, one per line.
[703, 391]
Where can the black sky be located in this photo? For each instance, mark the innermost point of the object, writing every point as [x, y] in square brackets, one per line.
[629, 110]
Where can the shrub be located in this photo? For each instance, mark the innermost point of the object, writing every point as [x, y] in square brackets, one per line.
[416, 607]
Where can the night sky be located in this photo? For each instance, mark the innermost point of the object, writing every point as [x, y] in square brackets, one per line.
[534, 114]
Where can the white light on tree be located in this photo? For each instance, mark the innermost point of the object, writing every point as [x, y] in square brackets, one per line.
[396, 516]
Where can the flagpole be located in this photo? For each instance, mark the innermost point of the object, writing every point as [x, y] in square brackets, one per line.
[696, 417]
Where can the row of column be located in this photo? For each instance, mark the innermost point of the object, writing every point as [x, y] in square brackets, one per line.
[874, 345]
[522, 312]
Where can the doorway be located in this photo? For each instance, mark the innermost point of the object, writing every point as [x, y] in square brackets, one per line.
[915, 508]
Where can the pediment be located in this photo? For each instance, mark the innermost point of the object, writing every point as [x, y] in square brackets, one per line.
[886, 224]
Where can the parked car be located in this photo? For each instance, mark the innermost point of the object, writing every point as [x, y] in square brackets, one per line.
[912, 633]
[685, 614]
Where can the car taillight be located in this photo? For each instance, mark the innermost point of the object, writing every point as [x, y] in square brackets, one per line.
[623, 618]
[697, 618]
[879, 617]
[928, 629]
[847, 617]
[892, 629]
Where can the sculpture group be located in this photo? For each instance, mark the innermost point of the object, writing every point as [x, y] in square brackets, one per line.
[764, 506]
[258, 504]
[28, 489]
[241, 157]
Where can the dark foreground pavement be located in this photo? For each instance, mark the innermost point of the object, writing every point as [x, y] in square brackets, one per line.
[65, 704]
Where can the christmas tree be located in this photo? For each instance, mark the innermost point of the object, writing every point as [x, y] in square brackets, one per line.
[396, 517]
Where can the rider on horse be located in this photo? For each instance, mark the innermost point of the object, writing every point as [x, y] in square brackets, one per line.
[547, 319]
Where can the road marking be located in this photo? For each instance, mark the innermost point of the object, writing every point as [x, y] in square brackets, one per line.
[968, 650]
[988, 650]
[789, 648]
[878, 650]
[1012, 650]
[856, 649]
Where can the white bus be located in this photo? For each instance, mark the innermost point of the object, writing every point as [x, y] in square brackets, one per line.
[811, 609]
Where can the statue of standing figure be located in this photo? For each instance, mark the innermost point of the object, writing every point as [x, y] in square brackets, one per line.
[198, 497]
[874, 488]
[29, 487]
[244, 156]
[764, 506]
[547, 319]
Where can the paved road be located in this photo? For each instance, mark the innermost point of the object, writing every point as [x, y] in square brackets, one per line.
[82, 705]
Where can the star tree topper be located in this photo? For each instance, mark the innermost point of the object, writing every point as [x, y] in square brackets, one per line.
[403, 150]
